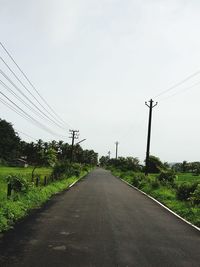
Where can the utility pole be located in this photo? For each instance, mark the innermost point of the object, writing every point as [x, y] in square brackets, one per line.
[74, 135]
[116, 143]
[109, 153]
[151, 106]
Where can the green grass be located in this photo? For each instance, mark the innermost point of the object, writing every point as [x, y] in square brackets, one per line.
[26, 172]
[166, 194]
[12, 210]
[187, 177]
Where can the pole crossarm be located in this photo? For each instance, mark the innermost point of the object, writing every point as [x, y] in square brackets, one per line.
[155, 104]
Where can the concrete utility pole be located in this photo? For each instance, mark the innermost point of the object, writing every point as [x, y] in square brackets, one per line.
[74, 135]
[151, 106]
[109, 153]
[116, 143]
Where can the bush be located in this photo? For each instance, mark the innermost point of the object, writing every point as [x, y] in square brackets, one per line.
[18, 183]
[155, 184]
[137, 179]
[65, 169]
[195, 196]
[184, 191]
[166, 177]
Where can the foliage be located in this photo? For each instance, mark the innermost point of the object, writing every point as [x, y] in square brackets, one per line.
[137, 179]
[39, 153]
[166, 177]
[104, 161]
[195, 196]
[47, 154]
[9, 142]
[185, 190]
[155, 184]
[193, 167]
[155, 165]
[123, 164]
[11, 211]
[66, 169]
[167, 195]
[18, 183]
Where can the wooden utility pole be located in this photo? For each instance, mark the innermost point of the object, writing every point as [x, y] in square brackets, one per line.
[116, 155]
[151, 106]
[74, 135]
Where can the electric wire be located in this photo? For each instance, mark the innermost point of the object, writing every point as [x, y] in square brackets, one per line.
[12, 108]
[57, 122]
[30, 101]
[25, 134]
[178, 84]
[21, 100]
[30, 117]
[31, 84]
[181, 91]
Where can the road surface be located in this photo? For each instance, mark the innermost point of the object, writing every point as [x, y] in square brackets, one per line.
[101, 221]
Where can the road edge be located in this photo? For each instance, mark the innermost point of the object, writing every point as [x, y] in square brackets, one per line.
[75, 182]
[162, 205]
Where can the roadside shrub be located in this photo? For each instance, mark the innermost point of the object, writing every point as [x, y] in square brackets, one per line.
[86, 168]
[65, 169]
[127, 174]
[166, 177]
[18, 183]
[195, 196]
[59, 169]
[137, 179]
[155, 184]
[185, 190]
[75, 170]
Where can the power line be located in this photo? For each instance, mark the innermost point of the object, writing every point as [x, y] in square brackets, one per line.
[27, 89]
[181, 91]
[21, 100]
[31, 84]
[29, 116]
[26, 135]
[12, 108]
[16, 111]
[30, 101]
[178, 84]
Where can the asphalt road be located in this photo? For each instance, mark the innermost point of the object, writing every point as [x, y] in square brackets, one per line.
[101, 222]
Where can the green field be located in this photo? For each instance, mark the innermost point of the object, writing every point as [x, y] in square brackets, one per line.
[187, 177]
[26, 172]
[19, 205]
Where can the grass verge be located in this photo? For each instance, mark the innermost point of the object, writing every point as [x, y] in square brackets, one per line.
[165, 194]
[12, 211]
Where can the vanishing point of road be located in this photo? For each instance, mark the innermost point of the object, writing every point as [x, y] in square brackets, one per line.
[101, 221]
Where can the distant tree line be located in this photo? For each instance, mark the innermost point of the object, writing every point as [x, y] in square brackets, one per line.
[39, 153]
[193, 167]
[133, 164]
[155, 165]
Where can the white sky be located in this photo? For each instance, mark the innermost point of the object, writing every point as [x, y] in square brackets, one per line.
[97, 62]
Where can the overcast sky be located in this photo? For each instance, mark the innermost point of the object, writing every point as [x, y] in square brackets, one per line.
[97, 62]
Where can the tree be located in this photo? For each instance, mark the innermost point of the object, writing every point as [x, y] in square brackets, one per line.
[184, 166]
[155, 165]
[104, 160]
[48, 157]
[9, 141]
